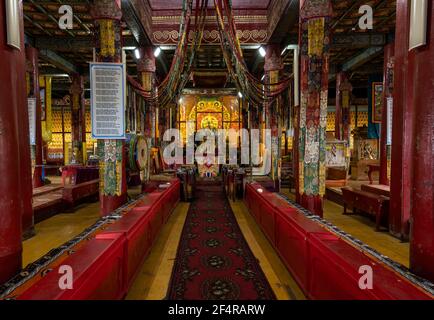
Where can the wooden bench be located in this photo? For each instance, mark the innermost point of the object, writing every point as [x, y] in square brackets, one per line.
[381, 190]
[373, 204]
[47, 205]
[73, 194]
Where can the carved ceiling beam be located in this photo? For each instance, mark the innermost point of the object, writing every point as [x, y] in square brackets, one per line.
[58, 61]
[283, 16]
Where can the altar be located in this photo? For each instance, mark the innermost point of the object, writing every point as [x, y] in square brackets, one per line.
[197, 112]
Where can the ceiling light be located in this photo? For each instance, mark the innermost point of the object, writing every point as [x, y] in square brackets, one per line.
[240, 94]
[157, 52]
[57, 75]
[262, 52]
[137, 53]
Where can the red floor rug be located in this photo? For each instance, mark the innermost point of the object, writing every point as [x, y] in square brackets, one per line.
[214, 261]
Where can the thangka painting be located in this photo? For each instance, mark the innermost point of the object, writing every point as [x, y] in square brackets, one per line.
[335, 155]
[377, 102]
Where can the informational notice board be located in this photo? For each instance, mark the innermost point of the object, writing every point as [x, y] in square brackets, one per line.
[107, 85]
[31, 104]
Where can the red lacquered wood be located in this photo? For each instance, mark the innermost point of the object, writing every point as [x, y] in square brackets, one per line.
[324, 265]
[402, 133]
[421, 65]
[15, 186]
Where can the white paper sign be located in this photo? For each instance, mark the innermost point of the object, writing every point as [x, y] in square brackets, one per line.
[31, 104]
[389, 121]
[107, 100]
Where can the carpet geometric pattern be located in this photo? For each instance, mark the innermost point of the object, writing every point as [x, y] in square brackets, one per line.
[214, 261]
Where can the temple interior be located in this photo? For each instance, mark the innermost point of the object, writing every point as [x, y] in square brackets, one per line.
[217, 150]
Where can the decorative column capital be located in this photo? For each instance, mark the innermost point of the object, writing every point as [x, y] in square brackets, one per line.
[147, 61]
[273, 59]
[106, 9]
[310, 9]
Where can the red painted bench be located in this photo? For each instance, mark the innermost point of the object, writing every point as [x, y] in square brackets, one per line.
[105, 266]
[371, 203]
[379, 189]
[98, 273]
[324, 265]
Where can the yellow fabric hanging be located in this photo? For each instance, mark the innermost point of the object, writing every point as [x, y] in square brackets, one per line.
[47, 123]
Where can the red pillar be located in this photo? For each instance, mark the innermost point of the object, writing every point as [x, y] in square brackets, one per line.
[113, 182]
[146, 68]
[273, 66]
[14, 152]
[338, 114]
[421, 67]
[32, 57]
[314, 44]
[78, 119]
[402, 131]
[343, 98]
[389, 61]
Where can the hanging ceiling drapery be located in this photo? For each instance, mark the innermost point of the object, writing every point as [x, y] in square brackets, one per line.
[179, 72]
[254, 89]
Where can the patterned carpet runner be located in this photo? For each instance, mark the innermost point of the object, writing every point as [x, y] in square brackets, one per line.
[214, 261]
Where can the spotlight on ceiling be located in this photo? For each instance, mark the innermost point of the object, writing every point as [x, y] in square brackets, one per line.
[262, 52]
[157, 52]
[137, 53]
[240, 94]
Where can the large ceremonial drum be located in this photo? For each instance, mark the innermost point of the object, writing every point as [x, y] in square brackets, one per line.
[137, 152]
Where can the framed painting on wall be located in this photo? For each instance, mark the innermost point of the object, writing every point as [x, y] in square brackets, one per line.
[377, 101]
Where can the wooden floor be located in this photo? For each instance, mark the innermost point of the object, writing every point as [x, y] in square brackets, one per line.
[58, 229]
[153, 279]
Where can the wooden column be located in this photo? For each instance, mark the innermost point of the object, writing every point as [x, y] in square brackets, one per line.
[402, 131]
[343, 104]
[112, 153]
[315, 46]
[146, 68]
[78, 120]
[15, 170]
[32, 57]
[273, 66]
[389, 62]
[421, 67]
